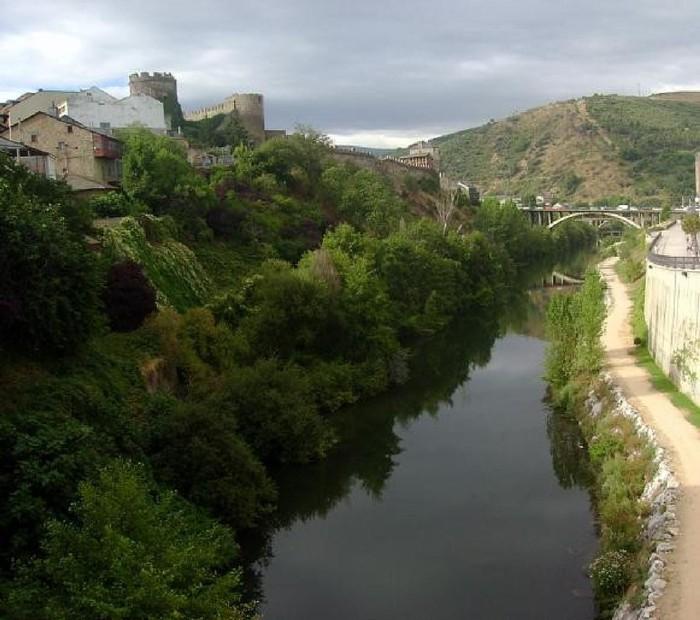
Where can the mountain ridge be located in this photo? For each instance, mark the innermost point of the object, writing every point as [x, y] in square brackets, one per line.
[583, 150]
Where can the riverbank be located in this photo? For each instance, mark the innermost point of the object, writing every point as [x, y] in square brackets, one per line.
[674, 433]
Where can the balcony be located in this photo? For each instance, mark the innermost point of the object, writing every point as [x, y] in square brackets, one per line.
[104, 146]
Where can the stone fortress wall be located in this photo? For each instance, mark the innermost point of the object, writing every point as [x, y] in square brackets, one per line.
[157, 85]
[249, 106]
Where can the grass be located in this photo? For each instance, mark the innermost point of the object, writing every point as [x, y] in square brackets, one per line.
[663, 384]
[660, 381]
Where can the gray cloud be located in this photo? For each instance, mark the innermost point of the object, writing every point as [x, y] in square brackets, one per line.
[402, 68]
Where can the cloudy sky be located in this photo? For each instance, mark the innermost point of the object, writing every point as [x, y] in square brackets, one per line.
[372, 72]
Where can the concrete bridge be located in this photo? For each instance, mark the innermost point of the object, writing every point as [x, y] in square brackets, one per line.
[598, 216]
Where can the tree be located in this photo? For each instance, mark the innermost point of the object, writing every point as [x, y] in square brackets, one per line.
[129, 297]
[445, 208]
[132, 552]
[49, 282]
[156, 172]
[691, 227]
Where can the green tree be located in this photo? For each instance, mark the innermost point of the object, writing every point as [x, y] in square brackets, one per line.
[132, 552]
[156, 172]
[49, 281]
[691, 227]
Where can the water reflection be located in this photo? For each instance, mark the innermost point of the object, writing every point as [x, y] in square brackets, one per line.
[352, 482]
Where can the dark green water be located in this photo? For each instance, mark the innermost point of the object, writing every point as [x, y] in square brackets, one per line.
[459, 495]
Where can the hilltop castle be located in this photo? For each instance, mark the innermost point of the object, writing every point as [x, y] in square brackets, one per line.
[248, 106]
[160, 86]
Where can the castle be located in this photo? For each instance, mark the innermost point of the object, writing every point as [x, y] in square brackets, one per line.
[160, 86]
[248, 106]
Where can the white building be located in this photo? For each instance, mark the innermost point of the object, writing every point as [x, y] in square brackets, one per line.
[96, 108]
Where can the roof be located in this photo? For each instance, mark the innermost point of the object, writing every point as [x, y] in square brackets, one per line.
[11, 145]
[81, 184]
[69, 121]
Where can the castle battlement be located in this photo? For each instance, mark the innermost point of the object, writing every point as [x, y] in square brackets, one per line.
[156, 75]
[249, 107]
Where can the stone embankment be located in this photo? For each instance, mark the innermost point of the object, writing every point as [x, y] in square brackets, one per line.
[681, 442]
[661, 494]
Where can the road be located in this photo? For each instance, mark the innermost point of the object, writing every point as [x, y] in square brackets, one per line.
[673, 242]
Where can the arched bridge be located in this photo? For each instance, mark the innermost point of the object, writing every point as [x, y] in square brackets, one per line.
[634, 218]
[595, 216]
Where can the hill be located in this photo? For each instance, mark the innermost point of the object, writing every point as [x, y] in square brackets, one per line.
[582, 150]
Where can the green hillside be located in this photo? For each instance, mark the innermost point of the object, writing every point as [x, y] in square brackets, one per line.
[583, 150]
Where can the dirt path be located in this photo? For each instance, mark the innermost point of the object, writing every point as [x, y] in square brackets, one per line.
[681, 600]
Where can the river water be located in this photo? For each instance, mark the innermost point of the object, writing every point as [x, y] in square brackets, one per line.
[459, 495]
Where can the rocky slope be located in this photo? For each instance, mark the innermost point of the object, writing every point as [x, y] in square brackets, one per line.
[587, 149]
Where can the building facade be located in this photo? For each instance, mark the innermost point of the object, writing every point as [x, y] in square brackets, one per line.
[84, 157]
[30, 103]
[422, 155]
[36, 160]
[96, 108]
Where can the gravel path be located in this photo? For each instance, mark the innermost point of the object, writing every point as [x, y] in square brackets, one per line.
[680, 438]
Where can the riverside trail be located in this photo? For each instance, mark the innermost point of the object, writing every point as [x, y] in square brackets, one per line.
[676, 434]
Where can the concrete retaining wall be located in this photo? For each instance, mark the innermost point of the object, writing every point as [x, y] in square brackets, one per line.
[672, 314]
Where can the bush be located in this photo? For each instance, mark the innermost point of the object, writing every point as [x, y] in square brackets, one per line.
[610, 574]
[114, 204]
[211, 465]
[132, 552]
[129, 297]
[48, 279]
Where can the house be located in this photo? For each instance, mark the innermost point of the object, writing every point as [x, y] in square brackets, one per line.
[422, 155]
[87, 159]
[96, 108]
[35, 160]
[26, 105]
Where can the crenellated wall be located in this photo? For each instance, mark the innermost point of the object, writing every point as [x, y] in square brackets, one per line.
[249, 106]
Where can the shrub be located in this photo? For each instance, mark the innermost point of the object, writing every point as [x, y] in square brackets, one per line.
[48, 278]
[129, 297]
[114, 204]
[132, 552]
[610, 574]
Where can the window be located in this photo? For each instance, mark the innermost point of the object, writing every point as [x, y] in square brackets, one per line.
[70, 128]
[34, 137]
[61, 146]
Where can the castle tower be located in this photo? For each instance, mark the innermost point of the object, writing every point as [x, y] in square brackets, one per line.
[161, 86]
[248, 106]
[252, 114]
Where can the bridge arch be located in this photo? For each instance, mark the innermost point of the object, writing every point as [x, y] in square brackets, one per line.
[598, 214]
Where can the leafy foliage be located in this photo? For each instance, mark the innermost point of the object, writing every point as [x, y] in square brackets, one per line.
[49, 282]
[133, 552]
[128, 297]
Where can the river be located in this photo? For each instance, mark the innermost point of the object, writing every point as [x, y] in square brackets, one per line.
[458, 495]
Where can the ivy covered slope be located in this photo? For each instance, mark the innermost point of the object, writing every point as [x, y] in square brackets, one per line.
[590, 149]
[148, 389]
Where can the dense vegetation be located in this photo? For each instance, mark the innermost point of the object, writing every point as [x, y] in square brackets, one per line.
[620, 457]
[287, 286]
[606, 146]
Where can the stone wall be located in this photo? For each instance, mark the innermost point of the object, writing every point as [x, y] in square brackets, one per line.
[72, 147]
[390, 167]
[672, 314]
[248, 106]
[160, 86]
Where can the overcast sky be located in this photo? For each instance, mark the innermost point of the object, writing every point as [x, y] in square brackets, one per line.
[372, 72]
